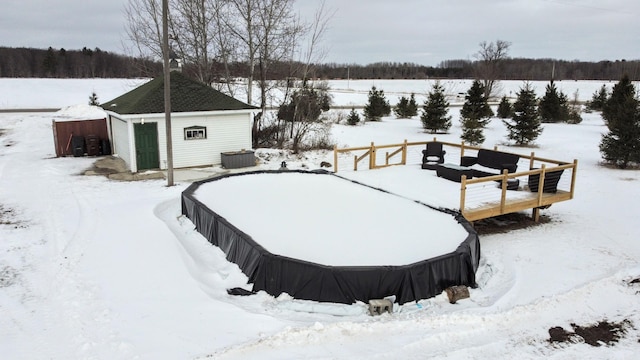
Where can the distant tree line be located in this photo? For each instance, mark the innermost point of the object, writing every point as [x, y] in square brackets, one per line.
[511, 69]
[87, 63]
[62, 63]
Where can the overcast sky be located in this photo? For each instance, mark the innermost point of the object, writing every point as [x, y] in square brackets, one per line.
[367, 31]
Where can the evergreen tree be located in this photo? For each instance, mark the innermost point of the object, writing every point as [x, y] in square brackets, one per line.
[353, 117]
[475, 114]
[598, 99]
[505, 109]
[525, 126]
[620, 105]
[412, 109]
[621, 145]
[434, 116]
[553, 106]
[377, 107]
[93, 99]
[406, 108]
[401, 108]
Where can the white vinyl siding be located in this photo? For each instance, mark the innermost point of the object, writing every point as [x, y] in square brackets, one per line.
[121, 140]
[226, 131]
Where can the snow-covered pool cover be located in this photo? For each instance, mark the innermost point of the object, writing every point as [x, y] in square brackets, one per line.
[319, 218]
[316, 219]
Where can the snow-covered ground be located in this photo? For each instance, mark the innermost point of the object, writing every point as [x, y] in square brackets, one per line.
[98, 269]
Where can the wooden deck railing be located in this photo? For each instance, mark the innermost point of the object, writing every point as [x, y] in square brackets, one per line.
[510, 201]
[371, 153]
[507, 202]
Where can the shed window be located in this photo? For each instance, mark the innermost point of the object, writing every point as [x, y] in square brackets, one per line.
[195, 133]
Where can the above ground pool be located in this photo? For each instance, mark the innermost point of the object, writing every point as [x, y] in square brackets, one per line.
[317, 236]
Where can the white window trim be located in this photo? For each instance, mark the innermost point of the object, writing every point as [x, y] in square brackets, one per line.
[195, 133]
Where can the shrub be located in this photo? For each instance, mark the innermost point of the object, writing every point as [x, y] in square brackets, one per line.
[377, 107]
[505, 110]
[598, 99]
[319, 138]
[575, 109]
[406, 108]
[302, 110]
[93, 99]
[353, 117]
[553, 106]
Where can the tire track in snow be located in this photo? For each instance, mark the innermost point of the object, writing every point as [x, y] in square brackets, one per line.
[52, 299]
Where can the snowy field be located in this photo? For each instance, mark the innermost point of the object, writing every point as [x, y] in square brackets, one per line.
[30, 93]
[99, 269]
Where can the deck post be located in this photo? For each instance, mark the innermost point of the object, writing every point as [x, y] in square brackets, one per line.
[503, 196]
[536, 214]
[462, 149]
[541, 184]
[355, 162]
[573, 177]
[404, 152]
[531, 160]
[463, 192]
[372, 157]
[335, 158]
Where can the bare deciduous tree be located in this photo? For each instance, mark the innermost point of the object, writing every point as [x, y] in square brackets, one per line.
[227, 45]
[194, 24]
[489, 58]
[211, 34]
[311, 53]
[240, 22]
[267, 31]
[196, 31]
[144, 29]
[314, 53]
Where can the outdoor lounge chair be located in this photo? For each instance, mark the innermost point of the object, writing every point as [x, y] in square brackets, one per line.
[551, 180]
[432, 155]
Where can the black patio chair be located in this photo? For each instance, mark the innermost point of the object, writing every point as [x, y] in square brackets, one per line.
[432, 155]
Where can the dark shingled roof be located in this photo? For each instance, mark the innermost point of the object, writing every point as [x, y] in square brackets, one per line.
[186, 95]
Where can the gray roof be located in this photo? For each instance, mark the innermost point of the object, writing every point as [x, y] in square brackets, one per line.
[187, 95]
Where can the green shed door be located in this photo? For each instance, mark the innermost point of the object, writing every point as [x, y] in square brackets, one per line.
[146, 136]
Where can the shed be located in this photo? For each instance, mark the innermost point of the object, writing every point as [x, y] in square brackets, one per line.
[80, 130]
[204, 124]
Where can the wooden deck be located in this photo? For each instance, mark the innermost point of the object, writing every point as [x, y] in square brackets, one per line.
[493, 209]
[508, 201]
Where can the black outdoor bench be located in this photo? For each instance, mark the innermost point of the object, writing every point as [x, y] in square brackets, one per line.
[489, 160]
